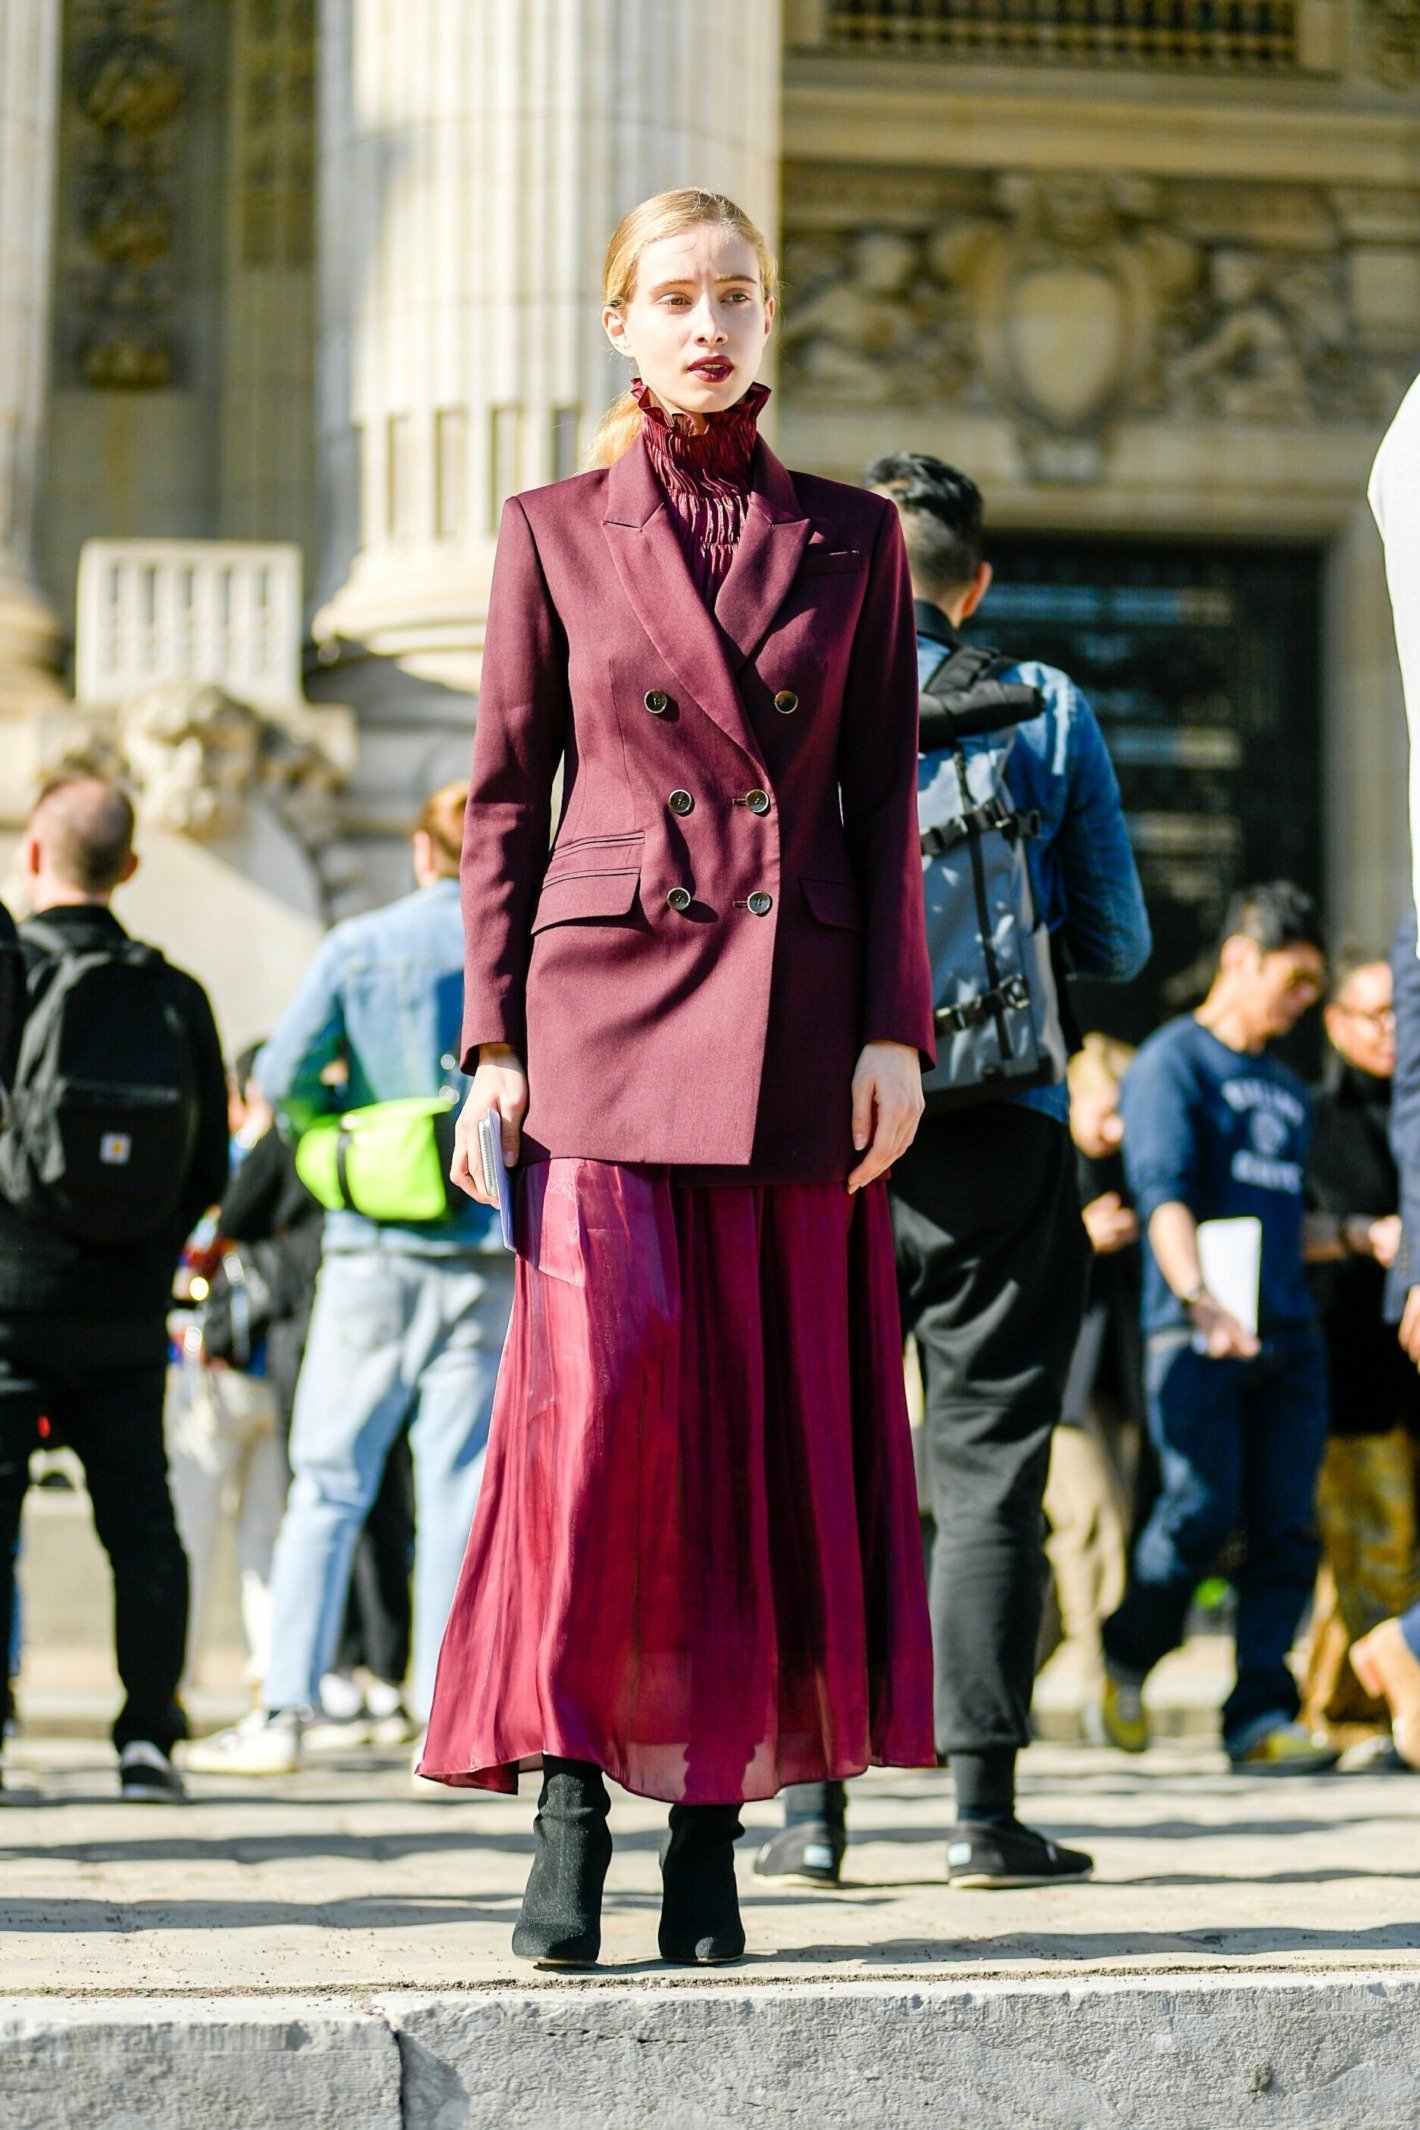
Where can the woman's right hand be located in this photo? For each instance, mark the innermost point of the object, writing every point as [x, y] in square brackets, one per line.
[500, 1083]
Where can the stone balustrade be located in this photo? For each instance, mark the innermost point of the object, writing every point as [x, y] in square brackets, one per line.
[225, 613]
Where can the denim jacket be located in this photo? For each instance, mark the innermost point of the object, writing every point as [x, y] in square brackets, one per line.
[385, 996]
[1082, 869]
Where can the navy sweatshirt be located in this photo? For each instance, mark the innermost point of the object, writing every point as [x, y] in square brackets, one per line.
[1225, 1134]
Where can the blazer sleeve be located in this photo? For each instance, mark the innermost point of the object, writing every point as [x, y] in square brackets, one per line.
[877, 775]
[523, 709]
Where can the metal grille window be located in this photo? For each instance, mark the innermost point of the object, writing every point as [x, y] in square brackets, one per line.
[1210, 36]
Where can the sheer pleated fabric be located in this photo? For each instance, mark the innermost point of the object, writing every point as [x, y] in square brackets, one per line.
[696, 1559]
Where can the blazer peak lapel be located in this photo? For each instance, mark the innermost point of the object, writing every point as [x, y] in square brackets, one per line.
[766, 561]
[655, 576]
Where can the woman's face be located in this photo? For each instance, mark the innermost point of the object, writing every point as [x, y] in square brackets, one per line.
[697, 320]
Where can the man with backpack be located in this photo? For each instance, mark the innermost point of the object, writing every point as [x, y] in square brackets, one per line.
[414, 1292]
[114, 1146]
[1028, 876]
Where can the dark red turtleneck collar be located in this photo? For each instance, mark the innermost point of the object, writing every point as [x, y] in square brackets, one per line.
[705, 476]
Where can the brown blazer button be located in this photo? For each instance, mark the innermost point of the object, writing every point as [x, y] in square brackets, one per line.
[761, 903]
[678, 899]
[656, 702]
[758, 802]
[680, 802]
[786, 702]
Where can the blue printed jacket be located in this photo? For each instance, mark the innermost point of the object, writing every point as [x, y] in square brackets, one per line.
[1083, 875]
[384, 996]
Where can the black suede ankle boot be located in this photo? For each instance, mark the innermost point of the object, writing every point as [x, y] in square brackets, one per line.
[700, 1906]
[561, 1920]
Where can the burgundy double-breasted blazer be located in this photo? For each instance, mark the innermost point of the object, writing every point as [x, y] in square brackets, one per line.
[733, 903]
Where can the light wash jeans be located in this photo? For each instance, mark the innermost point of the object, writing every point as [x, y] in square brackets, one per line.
[395, 1337]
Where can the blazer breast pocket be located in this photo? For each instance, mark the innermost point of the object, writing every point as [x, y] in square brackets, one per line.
[827, 561]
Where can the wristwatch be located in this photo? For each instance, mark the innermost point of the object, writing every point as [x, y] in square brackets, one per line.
[1194, 1294]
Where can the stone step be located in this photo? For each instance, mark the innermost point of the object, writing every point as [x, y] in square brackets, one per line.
[1328, 2051]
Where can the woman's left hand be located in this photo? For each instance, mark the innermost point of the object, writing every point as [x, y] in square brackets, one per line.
[887, 1107]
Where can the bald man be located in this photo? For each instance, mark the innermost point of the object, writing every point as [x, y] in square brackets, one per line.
[83, 1325]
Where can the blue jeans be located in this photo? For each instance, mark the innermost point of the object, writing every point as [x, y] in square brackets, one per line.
[1240, 1444]
[393, 1335]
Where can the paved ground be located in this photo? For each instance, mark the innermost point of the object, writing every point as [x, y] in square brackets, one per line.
[344, 1880]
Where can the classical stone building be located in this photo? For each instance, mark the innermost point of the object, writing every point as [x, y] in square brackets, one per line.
[326, 274]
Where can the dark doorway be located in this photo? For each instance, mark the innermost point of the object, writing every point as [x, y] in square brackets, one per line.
[1202, 664]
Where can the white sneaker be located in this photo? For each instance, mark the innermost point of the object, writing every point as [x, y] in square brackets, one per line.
[146, 1775]
[397, 1728]
[267, 1742]
[341, 1697]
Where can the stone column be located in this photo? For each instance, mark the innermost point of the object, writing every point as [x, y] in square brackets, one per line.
[475, 156]
[29, 118]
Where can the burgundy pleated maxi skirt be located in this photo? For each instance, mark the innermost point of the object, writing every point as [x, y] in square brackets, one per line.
[696, 1559]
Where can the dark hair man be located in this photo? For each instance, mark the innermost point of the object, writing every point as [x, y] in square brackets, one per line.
[1218, 1130]
[83, 1320]
[1365, 1505]
[12, 1001]
[992, 1253]
[409, 1316]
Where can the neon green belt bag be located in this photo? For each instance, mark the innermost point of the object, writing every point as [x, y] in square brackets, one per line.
[389, 1161]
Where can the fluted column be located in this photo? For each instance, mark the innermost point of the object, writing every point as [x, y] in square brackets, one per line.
[475, 156]
[29, 119]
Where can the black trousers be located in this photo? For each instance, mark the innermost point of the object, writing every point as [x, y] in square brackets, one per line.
[379, 1609]
[992, 1263]
[112, 1418]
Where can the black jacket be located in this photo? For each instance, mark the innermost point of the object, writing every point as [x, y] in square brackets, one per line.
[62, 1299]
[1350, 1170]
[12, 996]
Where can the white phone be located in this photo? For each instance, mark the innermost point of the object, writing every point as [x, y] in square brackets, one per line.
[496, 1181]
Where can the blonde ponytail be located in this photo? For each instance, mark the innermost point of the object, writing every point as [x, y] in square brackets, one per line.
[666, 214]
[615, 433]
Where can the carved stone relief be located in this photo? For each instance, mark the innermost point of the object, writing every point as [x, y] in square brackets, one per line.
[127, 84]
[1394, 27]
[1069, 303]
[275, 94]
[201, 764]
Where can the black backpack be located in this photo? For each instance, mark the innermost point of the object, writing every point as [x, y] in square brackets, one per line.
[104, 1106]
[13, 999]
[995, 992]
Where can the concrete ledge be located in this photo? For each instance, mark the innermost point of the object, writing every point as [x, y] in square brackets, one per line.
[1327, 2051]
[196, 2064]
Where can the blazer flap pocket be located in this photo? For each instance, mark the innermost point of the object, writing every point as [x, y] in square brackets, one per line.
[828, 561]
[607, 893]
[834, 902]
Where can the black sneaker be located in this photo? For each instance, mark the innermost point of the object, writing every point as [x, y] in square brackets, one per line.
[809, 1854]
[980, 1855]
[146, 1776]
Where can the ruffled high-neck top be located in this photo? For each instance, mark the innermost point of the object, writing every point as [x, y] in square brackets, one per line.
[705, 477]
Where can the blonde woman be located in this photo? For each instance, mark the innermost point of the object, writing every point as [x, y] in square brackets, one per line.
[695, 1564]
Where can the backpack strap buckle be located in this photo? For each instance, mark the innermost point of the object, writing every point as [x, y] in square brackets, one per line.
[1011, 996]
[992, 814]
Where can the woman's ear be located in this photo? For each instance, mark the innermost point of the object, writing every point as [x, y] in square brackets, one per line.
[614, 326]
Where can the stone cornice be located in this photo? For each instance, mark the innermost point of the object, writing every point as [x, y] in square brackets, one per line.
[938, 117]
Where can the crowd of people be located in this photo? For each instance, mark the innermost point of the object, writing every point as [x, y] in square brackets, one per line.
[1163, 1303]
